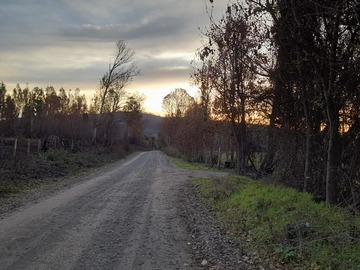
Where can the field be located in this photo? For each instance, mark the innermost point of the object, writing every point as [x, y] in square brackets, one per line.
[30, 166]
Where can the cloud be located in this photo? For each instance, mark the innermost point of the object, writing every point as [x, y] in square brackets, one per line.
[72, 42]
[151, 28]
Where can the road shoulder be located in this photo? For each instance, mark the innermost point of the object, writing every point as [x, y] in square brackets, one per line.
[212, 247]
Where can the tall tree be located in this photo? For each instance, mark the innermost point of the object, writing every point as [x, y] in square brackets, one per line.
[134, 104]
[133, 113]
[119, 74]
[52, 104]
[176, 103]
[2, 99]
[21, 98]
[323, 53]
[77, 103]
[10, 115]
[227, 64]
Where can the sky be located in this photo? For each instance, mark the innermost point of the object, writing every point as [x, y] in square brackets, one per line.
[70, 43]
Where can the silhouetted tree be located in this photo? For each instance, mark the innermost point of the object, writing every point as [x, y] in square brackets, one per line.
[119, 74]
[177, 102]
[2, 99]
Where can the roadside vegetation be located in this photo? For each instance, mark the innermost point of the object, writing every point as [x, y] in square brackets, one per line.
[283, 226]
[279, 225]
[29, 172]
[47, 134]
[279, 96]
[180, 163]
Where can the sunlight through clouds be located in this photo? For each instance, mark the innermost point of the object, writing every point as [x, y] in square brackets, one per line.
[70, 43]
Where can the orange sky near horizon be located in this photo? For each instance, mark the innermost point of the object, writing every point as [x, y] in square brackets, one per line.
[152, 103]
[70, 44]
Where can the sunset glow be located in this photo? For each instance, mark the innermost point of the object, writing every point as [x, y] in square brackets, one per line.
[70, 45]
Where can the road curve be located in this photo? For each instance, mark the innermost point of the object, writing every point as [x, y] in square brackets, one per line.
[123, 218]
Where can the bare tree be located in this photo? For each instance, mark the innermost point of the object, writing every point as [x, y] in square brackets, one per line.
[318, 63]
[2, 99]
[233, 77]
[120, 73]
[177, 103]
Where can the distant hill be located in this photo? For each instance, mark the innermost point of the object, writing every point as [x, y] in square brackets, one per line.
[151, 124]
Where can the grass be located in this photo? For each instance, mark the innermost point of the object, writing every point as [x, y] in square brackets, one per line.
[284, 226]
[7, 189]
[182, 164]
[192, 166]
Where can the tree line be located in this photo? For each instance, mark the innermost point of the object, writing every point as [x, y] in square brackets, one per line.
[279, 86]
[66, 115]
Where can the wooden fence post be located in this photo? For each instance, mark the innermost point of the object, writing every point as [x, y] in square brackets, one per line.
[219, 158]
[15, 147]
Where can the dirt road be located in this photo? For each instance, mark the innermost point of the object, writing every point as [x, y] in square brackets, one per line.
[124, 217]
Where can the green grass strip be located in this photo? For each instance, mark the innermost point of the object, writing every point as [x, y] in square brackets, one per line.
[284, 226]
[192, 166]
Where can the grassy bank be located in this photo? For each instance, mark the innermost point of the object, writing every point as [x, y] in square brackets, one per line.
[283, 226]
[180, 163]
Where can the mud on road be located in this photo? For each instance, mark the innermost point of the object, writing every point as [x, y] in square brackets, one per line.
[136, 214]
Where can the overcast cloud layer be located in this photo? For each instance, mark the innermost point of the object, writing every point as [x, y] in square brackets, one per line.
[70, 43]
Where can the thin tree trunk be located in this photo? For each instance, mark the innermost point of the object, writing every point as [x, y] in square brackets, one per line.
[333, 120]
[243, 137]
[204, 150]
[227, 152]
[15, 147]
[97, 123]
[28, 146]
[309, 151]
[93, 140]
[219, 158]
[308, 161]
[232, 153]
[267, 164]
[238, 160]
[308, 117]
[333, 155]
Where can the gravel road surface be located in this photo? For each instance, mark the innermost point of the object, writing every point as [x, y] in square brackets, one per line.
[125, 217]
[139, 213]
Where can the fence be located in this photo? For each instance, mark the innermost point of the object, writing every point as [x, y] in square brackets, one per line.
[19, 146]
